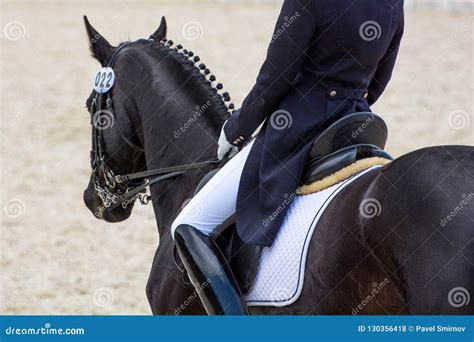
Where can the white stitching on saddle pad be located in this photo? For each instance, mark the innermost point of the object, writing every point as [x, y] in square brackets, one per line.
[280, 276]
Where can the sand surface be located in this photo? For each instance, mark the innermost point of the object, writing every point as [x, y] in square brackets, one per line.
[55, 258]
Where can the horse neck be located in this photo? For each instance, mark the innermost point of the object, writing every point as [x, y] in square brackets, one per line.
[181, 119]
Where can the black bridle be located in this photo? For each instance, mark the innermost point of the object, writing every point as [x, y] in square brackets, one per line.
[115, 190]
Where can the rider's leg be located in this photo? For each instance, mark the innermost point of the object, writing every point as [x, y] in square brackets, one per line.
[216, 201]
[206, 266]
[209, 272]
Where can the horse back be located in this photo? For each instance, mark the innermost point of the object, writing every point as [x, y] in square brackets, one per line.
[423, 234]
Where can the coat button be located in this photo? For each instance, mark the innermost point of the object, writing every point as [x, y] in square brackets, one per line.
[333, 93]
[366, 95]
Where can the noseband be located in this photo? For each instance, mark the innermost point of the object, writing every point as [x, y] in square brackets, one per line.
[114, 189]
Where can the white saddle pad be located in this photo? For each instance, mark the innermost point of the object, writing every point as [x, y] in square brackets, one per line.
[280, 276]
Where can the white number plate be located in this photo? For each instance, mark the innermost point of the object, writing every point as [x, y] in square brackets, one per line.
[104, 80]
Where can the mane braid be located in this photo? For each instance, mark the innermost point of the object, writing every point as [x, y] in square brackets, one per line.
[200, 73]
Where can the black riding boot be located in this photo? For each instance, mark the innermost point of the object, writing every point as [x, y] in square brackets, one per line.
[209, 272]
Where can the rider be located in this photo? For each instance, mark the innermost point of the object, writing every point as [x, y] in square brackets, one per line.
[326, 59]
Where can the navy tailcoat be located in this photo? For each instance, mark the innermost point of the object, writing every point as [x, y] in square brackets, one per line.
[327, 59]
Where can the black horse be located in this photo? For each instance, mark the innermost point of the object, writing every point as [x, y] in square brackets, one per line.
[168, 110]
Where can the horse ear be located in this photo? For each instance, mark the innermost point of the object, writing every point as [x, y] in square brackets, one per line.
[160, 32]
[99, 46]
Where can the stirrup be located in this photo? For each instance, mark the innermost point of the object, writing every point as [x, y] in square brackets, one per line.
[209, 272]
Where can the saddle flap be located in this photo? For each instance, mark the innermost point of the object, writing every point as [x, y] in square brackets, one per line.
[318, 169]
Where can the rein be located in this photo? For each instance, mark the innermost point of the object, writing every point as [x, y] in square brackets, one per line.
[124, 189]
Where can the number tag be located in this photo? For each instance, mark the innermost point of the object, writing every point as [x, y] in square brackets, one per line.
[104, 80]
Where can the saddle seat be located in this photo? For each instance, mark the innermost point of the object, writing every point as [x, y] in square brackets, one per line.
[355, 138]
[352, 138]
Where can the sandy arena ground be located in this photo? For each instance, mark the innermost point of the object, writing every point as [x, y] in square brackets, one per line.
[55, 258]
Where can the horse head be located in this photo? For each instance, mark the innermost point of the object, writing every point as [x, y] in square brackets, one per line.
[116, 132]
[159, 97]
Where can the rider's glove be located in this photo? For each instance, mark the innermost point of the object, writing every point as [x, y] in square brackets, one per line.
[225, 146]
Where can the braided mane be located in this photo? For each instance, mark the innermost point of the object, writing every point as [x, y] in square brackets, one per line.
[198, 70]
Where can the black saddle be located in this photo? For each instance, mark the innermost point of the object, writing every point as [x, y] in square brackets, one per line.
[353, 137]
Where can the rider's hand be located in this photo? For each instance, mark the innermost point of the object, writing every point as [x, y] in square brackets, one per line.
[225, 146]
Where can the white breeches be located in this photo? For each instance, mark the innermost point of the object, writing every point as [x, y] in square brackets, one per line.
[216, 201]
